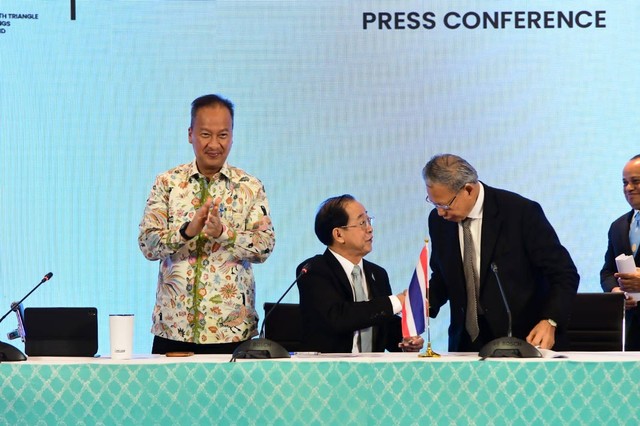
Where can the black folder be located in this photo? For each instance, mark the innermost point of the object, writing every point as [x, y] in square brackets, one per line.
[61, 331]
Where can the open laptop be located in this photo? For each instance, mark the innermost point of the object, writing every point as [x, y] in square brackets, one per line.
[61, 331]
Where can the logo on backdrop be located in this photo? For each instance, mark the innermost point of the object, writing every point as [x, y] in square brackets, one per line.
[488, 20]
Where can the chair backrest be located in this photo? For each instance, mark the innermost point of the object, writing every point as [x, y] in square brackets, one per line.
[284, 325]
[597, 322]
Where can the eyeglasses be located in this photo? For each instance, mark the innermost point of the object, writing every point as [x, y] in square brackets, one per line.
[444, 206]
[364, 223]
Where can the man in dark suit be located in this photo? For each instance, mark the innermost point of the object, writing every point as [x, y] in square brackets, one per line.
[620, 243]
[346, 301]
[473, 226]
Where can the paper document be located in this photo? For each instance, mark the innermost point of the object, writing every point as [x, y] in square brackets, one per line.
[548, 353]
[627, 265]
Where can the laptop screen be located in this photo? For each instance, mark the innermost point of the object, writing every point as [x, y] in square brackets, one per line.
[61, 331]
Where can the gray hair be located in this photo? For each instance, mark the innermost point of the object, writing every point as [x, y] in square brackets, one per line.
[449, 170]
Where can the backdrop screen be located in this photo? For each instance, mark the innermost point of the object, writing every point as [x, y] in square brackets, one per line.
[331, 97]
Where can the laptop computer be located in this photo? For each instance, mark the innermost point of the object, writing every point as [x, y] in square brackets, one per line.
[61, 331]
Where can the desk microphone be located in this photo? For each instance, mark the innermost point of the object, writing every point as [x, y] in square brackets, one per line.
[507, 347]
[261, 348]
[8, 352]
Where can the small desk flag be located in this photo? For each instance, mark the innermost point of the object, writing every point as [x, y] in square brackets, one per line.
[414, 314]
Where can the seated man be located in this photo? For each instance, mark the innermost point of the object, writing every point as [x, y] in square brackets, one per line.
[346, 302]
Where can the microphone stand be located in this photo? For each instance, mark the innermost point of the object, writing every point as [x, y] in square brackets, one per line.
[261, 348]
[9, 353]
[507, 347]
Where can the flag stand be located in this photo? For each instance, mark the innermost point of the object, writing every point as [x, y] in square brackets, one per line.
[429, 352]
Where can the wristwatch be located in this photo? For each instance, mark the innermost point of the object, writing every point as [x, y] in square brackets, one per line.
[183, 231]
[552, 322]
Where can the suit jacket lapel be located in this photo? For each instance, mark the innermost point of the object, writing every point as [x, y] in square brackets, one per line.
[623, 233]
[491, 224]
[337, 269]
[452, 251]
[370, 279]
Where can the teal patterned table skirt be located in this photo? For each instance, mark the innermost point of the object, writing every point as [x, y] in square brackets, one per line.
[337, 393]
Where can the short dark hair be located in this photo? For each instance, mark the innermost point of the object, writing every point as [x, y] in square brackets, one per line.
[635, 157]
[449, 170]
[210, 100]
[331, 214]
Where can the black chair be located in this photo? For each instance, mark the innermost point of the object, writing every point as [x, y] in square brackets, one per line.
[283, 325]
[597, 322]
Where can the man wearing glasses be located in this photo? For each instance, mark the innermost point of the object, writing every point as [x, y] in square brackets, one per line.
[474, 226]
[346, 301]
[624, 238]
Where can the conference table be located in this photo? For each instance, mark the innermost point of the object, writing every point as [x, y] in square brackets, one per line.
[337, 389]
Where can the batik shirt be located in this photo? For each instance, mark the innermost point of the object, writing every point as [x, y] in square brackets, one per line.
[206, 288]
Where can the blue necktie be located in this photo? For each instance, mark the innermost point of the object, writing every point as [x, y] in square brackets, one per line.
[365, 340]
[634, 233]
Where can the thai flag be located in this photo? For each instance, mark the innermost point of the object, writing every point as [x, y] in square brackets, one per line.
[414, 314]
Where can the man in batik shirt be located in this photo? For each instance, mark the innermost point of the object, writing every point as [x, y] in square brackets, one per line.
[206, 222]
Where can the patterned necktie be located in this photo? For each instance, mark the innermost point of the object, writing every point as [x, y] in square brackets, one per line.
[365, 338]
[634, 233]
[471, 321]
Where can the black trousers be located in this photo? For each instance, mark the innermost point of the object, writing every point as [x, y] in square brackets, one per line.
[485, 336]
[162, 346]
[632, 326]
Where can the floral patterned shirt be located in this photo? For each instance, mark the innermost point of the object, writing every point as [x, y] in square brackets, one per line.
[206, 288]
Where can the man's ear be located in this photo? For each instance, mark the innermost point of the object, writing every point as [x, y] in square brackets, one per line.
[337, 236]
